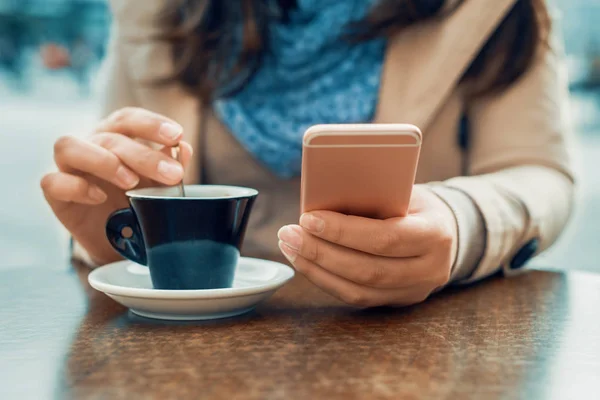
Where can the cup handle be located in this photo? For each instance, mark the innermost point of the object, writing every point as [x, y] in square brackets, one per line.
[129, 247]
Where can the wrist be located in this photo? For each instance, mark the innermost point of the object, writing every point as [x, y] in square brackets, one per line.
[470, 230]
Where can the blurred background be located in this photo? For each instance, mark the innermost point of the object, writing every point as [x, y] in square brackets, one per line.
[50, 51]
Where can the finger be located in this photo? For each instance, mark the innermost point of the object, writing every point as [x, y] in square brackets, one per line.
[187, 152]
[394, 237]
[143, 124]
[362, 268]
[73, 154]
[64, 187]
[185, 155]
[141, 159]
[343, 289]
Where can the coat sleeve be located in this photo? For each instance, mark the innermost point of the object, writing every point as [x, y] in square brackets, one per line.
[115, 84]
[521, 177]
[115, 92]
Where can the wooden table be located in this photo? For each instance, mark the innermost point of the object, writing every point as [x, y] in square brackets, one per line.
[536, 336]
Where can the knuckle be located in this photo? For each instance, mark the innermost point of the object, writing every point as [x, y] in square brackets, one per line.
[148, 160]
[373, 275]
[119, 120]
[47, 182]
[387, 242]
[335, 232]
[440, 233]
[63, 143]
[80, 187]
[105, 140]
[122, 115]
[358, 299]
[314, 253]
[445, 236]
[106, 162]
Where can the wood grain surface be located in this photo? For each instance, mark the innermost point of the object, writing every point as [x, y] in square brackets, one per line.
[536, 336]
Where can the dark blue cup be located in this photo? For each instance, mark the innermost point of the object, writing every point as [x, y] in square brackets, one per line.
[190, 242]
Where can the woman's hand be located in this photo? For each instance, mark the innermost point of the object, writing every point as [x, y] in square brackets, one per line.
[366, 262]
[94, 173]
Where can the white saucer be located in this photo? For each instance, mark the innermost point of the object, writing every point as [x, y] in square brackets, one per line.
[129, 284]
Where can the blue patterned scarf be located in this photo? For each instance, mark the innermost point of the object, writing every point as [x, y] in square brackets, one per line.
[308, 77]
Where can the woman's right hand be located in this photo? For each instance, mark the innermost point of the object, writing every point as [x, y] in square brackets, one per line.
[94, 173]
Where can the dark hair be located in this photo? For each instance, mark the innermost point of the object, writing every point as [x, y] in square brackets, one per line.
[202, 34]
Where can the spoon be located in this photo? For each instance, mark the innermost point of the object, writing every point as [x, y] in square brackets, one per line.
[176, 154]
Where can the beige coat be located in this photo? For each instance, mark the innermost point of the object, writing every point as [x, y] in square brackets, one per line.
[519, 192]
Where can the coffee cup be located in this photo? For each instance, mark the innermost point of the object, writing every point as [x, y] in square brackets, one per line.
[188, 243]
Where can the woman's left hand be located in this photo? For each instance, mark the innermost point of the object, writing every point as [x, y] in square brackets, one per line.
[368, 262]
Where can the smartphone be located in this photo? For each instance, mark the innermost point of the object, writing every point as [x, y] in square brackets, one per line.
[366, 170]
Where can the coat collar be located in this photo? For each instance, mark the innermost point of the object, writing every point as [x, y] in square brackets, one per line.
[425, 62]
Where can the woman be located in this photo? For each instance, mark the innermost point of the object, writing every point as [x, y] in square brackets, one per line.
[240, 82]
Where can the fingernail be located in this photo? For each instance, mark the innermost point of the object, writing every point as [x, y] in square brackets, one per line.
[291, 236]
[169, 131]
[127, 178]
[170, 170]
[287, 251]
[96, 194]
[312, 223]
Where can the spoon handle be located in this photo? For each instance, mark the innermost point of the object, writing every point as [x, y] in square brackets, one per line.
[176, 154]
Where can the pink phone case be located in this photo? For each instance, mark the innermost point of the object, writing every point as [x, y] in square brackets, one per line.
[360, 169]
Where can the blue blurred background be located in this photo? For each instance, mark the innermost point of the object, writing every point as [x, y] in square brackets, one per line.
[50, 51]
